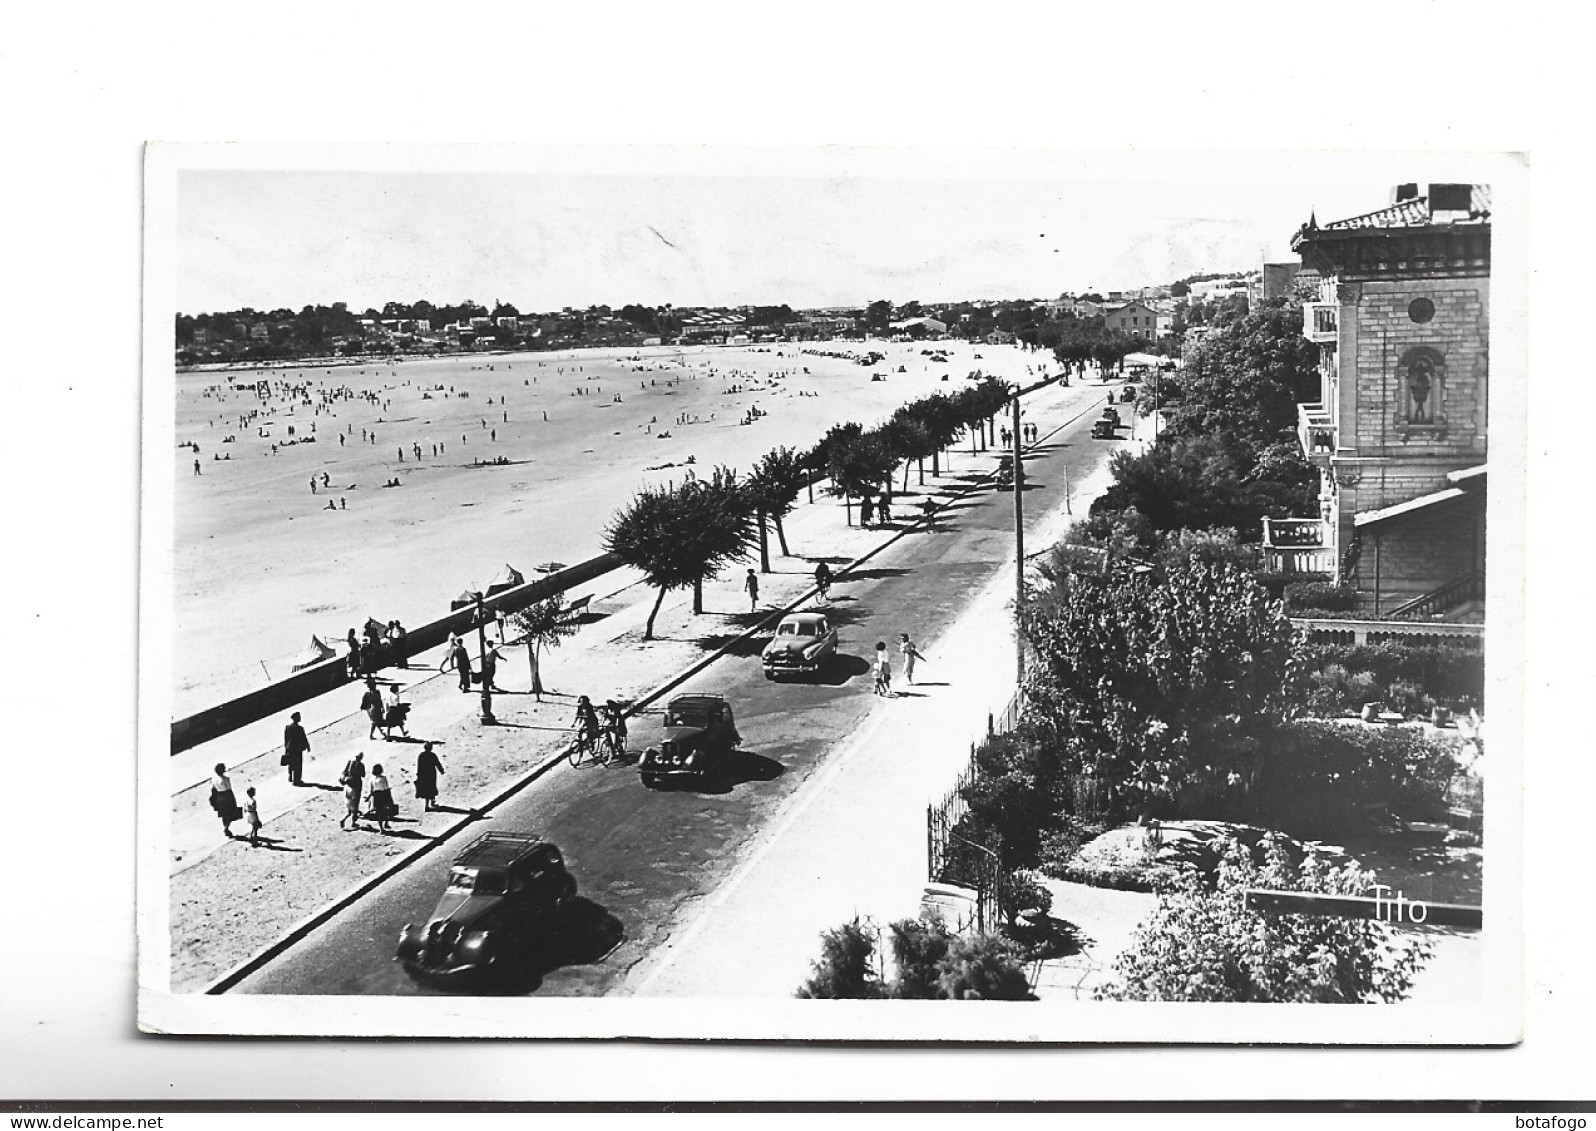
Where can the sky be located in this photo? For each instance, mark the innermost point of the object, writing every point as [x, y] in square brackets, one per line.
[545, 229]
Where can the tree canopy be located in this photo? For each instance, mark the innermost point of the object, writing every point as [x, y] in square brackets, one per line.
[1153, 682]
[681, 536]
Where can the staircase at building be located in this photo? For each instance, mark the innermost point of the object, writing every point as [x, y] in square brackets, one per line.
[1462, 596]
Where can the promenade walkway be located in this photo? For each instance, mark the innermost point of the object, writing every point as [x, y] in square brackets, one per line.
[314, 862]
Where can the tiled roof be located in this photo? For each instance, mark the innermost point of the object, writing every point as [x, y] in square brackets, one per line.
[1415, 213]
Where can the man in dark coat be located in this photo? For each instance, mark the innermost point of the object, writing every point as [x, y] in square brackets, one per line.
[462, 664]
[295, 746]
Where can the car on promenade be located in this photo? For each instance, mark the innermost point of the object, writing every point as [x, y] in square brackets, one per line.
[503, 892]
[700, 735]
[803, 644]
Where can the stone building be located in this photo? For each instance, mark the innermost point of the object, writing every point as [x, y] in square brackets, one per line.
[1399, 430]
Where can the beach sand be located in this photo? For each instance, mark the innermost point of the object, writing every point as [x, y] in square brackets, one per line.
[260, 563]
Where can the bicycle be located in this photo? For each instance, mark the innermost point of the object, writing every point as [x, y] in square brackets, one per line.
[588, 745]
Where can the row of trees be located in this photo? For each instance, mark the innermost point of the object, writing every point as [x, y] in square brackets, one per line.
[681, 535]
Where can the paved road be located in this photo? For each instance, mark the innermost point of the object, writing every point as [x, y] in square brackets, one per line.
[643, 858]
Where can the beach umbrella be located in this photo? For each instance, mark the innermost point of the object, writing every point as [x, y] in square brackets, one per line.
[549, 567]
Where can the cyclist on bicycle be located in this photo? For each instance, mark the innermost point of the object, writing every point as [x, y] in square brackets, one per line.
[587, 722]
[615, 724]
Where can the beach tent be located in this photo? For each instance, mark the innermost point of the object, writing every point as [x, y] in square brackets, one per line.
[507, 578]
[468, 597]
[1143, 359]
[319, 650]
[374, 629]
[313, 654]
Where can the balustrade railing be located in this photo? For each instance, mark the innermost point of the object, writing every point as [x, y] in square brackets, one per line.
[1320, 321]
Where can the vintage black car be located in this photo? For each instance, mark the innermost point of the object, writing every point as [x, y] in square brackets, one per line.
[700, 735]
[503, 891]
[803, 643]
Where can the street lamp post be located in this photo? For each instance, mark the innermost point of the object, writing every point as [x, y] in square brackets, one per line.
[486, 718]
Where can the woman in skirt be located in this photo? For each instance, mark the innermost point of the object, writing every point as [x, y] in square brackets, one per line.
[223, 801]
[382, 806]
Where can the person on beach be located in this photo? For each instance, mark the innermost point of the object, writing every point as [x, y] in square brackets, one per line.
[823, 581]
[196, 467]
[222, 799]
[910, 654]
[252, 816]
[883, 669]
[353, 780]
[381, 799]
[295, 746]
[428, 767]
[751, 585]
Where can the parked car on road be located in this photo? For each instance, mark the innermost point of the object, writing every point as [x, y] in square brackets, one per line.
[502, 891]
[700, 735]
[803, 643]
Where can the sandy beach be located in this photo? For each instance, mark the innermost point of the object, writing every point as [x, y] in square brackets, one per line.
[515, 459]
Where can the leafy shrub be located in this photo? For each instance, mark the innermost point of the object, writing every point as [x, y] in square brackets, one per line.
[918, 950]
[1321, 778]
[1019, 892]
[1063, 842]
[1447, 672]
[1204, 944]
[984, 968]
[1409, 698]
[1335, 691]
[845, 968]
[1320, 596]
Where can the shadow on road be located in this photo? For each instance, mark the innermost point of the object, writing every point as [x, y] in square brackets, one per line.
[580, 934]
[842, 668]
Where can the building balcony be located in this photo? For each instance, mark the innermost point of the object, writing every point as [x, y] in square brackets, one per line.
[1316, 431]
[1299, 545]
[1320, 321]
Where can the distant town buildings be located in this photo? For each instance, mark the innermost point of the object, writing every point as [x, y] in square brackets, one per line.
[1134, 318]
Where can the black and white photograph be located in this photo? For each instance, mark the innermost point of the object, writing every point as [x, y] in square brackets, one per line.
[891, 576]
[848, 559]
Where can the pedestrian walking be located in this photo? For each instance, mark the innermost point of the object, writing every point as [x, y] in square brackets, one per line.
[382, 807]
[866, 510]
[823, 581]
[883, 669]
[394, 712]
[460, 660]
[910, 654]
[353, 781]
[428, 767]
[295, 746]
[490, 667]
[222, 799]
[884, 508]
[252, 816]
[371, 703]
[751, 584]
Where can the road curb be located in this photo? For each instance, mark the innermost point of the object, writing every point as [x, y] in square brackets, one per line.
[304, 927]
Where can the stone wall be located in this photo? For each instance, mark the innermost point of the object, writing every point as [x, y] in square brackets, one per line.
[1458, 334]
